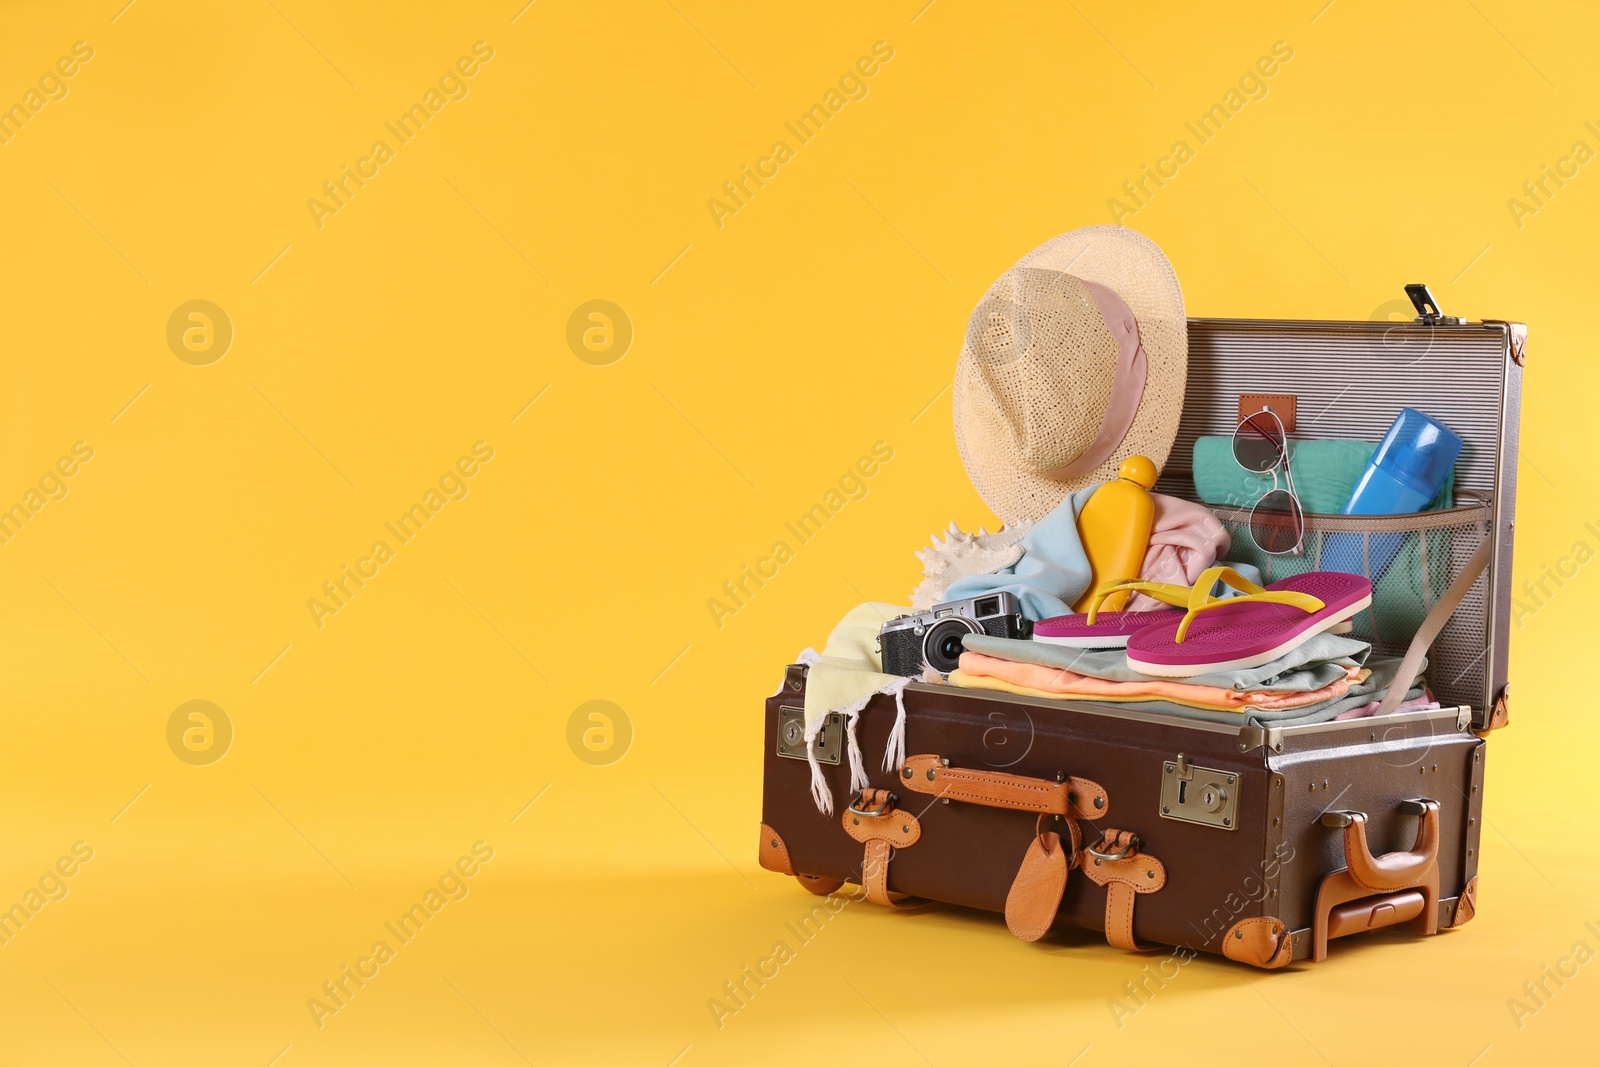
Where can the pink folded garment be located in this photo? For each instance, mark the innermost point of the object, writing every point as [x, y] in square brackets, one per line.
[1425, 702]
[1065, 683]
[1185, 540]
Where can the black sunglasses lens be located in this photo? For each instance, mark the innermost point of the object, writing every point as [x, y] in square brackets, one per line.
[1276, 524]
[1254, 453]
[1258, 443]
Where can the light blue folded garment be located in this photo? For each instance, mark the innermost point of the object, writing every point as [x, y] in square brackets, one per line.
[1052, 573]
[1320, 661]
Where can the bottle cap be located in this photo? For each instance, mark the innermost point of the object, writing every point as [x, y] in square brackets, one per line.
[1139, 470]
[1418, 451]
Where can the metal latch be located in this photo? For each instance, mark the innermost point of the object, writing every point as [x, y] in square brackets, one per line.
[1428, 313]
[1201, 795]
[828, 744]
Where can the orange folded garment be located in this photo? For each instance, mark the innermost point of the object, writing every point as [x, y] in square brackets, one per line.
[976, 668]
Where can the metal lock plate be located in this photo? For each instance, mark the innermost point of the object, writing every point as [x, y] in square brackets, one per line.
[1201, 795]
[828, 744]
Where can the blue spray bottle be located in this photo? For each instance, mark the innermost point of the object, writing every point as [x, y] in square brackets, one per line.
[1410, 466]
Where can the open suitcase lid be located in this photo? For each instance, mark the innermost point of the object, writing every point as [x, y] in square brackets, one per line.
[1349, 380]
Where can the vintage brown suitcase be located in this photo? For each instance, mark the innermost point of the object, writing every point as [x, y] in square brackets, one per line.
[1257, 842]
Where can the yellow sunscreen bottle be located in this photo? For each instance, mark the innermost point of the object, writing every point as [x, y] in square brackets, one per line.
[1115, 526]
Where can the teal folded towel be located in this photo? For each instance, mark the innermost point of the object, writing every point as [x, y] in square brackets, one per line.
[1325, 474]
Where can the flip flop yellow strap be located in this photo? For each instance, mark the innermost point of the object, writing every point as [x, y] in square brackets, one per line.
[1304, 601]
[1201, 592]
[1176, 595]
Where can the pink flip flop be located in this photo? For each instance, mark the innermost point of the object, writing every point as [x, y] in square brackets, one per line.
[1109, 629]
[1096, 629]
[1248, 630]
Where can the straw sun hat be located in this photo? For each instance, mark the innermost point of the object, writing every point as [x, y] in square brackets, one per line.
[1074, 360]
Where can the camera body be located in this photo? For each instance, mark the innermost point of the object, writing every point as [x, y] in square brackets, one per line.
[933, 638]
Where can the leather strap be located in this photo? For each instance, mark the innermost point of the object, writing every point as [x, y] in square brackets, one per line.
[1406, 675]
[873, 820]
[1125, 872]
[1076, 798]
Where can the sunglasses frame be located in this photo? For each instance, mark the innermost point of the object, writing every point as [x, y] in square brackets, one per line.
[1282, 450]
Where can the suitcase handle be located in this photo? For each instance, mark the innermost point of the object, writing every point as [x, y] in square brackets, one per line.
[1392, 870]
[1067, 797]
[1365, 876]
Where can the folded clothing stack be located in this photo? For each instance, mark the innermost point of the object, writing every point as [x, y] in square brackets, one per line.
[1326, 677]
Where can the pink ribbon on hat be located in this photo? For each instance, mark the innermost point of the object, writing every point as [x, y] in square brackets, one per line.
[1127, 386]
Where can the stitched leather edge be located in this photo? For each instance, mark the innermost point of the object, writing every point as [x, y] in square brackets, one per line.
[875, 872]
[1124, 879]
[881, 835]
[1255, 401]
[1239, 945]
[1119, 916]
[773, 853]
[1466, 904]
[897, 826]
[1141, 872]
[1073, 796]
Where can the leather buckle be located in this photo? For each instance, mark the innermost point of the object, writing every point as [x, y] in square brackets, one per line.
[1126, 850]
[872, 813]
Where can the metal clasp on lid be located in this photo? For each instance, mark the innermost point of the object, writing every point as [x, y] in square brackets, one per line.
[1428, 312]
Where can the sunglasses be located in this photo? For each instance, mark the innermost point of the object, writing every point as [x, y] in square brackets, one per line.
[1277, 522]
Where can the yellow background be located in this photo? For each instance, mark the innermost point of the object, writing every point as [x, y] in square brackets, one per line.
[768, 355]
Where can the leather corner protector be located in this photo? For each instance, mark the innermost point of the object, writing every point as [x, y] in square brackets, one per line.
[774, 854]
[1516, 339]
[1466, 904]
[1261, 942]
[1500, 714]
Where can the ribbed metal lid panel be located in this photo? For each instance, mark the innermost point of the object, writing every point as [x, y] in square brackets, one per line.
[1350, 380]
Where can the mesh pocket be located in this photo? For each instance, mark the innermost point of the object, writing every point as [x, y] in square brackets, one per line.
[1410, 560]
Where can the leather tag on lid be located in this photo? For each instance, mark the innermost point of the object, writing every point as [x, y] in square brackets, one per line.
[1282, 405]
[1036, 891]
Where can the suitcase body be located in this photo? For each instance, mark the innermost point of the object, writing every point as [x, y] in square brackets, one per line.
[1257, 842]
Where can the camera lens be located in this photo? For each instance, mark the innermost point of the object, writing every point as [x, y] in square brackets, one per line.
[941, 648]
